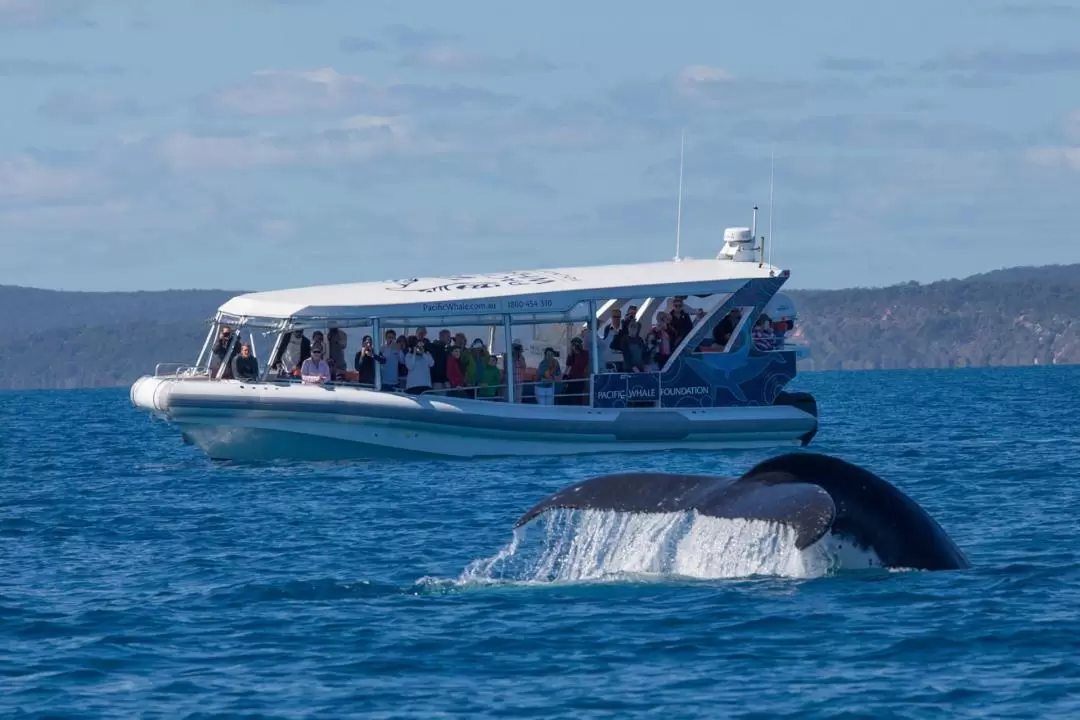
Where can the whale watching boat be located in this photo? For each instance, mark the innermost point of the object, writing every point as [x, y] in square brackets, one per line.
[711, 378]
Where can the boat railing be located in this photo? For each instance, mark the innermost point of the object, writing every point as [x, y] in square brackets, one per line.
[498, 392]
[799, 347]
[179, 371]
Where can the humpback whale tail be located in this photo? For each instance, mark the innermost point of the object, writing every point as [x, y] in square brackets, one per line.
[813, 494]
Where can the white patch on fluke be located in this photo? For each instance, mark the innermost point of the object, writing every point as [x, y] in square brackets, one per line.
[598, 545]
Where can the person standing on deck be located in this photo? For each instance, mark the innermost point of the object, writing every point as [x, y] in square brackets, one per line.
[547, 373]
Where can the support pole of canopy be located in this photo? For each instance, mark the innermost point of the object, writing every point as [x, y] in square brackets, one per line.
[594, 351]
[647, 310]
[376, 333]
[273, 354]
[209, 337]
[508, 360]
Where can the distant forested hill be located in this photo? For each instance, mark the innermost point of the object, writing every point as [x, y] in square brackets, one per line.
[90, 339]
[1018, 316]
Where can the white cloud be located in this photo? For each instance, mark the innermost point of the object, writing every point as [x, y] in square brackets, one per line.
[183, 151]
[704, 94]
[31, 67]
[84, 107]
[365, 122]
[449, 58]
[1063, 154]
[67, 217]
[987, 65]
[39, 14]
[429, 49]
[1071, 126]
[325, 90]
[355, 140]
[285, 92]
[25, 179]
[702, 83]
[1055, 158]
[276, 228]
[695, 74]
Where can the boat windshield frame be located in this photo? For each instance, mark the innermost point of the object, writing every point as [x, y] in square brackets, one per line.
[591, 307]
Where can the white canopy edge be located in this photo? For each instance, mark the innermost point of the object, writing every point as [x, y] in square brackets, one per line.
[548, 293]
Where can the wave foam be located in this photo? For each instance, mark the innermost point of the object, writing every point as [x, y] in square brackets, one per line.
[600, 545]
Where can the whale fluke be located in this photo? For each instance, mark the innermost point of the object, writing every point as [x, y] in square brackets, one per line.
[806, 508]
[814, 494]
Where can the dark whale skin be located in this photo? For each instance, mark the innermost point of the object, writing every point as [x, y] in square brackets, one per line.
[812, 493]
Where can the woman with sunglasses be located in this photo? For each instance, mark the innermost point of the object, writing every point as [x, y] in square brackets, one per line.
[315, 370]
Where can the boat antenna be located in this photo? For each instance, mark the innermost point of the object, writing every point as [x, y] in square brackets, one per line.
[772, 171]
[678, 212]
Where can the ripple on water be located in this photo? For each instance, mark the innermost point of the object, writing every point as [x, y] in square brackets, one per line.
[140, 578]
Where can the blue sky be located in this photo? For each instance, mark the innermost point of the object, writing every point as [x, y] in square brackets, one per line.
[259, 144]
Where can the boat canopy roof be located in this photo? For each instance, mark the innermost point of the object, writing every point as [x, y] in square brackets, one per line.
[551, 292]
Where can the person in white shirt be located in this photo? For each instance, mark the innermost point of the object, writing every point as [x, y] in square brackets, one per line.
[315, 371]
[419, 363]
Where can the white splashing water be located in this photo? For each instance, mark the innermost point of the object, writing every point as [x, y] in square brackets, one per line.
[602, 545]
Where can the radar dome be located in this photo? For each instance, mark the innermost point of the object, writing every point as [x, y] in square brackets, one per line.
[738, 245]
[781, 307]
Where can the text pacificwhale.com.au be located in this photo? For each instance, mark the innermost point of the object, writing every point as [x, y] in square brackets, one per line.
[458, 307]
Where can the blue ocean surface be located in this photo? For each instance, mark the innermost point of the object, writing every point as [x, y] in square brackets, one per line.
[140, 579]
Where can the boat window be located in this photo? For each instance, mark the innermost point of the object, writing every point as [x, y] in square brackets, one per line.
[551, 358]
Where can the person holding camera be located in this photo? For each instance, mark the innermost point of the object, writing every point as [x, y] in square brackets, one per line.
[218, 352]
[365, 360]
[391, 353]
[418, 363]
[547, 373]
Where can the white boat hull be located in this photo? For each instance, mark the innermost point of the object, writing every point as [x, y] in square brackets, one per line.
[230, 420]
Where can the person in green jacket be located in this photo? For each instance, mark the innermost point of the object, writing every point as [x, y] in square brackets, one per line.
[473, 363]
[490, 378]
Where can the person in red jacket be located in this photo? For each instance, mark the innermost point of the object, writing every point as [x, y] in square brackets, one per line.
[576, 375]
[455, 374]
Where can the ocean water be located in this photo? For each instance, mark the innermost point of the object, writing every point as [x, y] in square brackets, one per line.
[139, 579]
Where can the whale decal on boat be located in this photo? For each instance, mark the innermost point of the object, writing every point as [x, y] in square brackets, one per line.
[814, 494]
[481, 281]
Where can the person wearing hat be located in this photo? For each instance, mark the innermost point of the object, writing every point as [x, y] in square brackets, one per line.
[547, 373]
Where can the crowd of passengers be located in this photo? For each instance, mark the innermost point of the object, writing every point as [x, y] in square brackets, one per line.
[452, 366]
